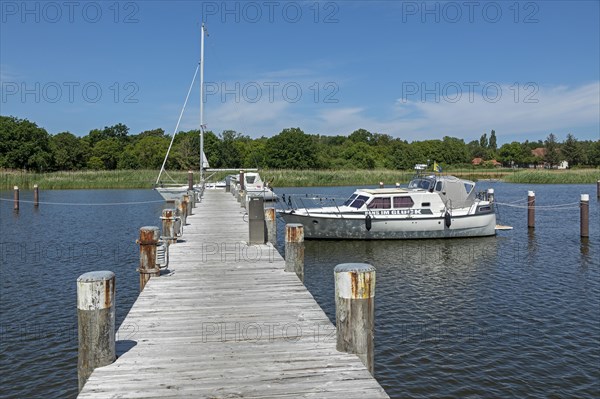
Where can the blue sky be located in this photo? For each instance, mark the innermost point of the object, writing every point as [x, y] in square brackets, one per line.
[412, 69]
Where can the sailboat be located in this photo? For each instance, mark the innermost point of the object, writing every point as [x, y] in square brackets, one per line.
[170, 191]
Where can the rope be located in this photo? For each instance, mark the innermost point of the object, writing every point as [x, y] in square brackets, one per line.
[88, 204]
[162, 168]
[572, 205]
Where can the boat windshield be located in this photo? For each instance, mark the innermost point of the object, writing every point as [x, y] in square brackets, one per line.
[425, 184]
[349, 200]
[359, 201]
[250, 179]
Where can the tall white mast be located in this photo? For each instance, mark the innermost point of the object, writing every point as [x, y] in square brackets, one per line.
[202, 104]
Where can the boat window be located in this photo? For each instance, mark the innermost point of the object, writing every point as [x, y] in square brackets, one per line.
[469, 187]
[349, 200]
[420, 183]
[250, 179]
[359, 201]
[380, 203]
[438, 186]
[403, 202]
[425, 204]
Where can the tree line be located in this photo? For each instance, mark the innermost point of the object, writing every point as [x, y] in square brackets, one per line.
[24, 145]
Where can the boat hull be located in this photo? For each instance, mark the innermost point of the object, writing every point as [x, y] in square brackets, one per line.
[353, 228]
[267, 195]
[176, 193]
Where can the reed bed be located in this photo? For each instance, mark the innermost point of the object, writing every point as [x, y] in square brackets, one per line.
[281, 177]
[544, 176]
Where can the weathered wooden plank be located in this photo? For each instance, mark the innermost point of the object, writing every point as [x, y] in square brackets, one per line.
[228, 322]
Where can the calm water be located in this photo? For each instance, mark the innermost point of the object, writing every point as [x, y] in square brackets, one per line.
[513, 315]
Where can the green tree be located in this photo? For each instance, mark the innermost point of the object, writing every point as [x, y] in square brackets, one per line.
[293, 149]
[229, 152]
[483, 141]
[361, 136]
[68, 151]
[493, 146]
[552, 156]
[359, 155]
[24, 145]
[108, 151]
[514, 154]
[95, 163]
[571, 151]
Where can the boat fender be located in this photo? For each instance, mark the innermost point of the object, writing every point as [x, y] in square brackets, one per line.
[448, 219]
[368, 222]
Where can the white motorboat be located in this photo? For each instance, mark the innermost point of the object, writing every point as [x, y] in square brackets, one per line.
[254, 186]
[430, 207]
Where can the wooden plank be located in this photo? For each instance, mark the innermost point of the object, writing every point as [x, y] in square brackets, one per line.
[228, 322]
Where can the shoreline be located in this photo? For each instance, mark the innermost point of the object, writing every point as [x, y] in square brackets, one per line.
[145, 179]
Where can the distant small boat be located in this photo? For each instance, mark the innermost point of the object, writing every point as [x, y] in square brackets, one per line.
[431, 207]
[254, 186]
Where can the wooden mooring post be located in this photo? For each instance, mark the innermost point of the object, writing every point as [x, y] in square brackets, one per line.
[188, 204]
[149, 236]
[16, 199]
[182, 210]
[190, 180]
[531, 209]
[95, 322]
[598, 188]
[271, 222]
[294, 249]
[36, 195]
[192, 195]
[381, 185]
[584, 214]
[355, 310]
[168, 219]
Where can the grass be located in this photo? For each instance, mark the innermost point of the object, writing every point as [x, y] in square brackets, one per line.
[543, 176]
[282, 177]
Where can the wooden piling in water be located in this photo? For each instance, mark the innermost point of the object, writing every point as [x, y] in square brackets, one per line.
[190, 180]
[584, 215]
[271, 222]
[294, 249]
[16, 199]
[95, 322]
[36, 195]
[381, 185]
[490, 194]
[355, 310]
[149, 236]
[598, 188]
[256, 221]
[531, 209]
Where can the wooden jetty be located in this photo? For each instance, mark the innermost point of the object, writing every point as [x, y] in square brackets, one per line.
[227, 321]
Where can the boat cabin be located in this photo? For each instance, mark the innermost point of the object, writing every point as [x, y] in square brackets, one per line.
[422, 192]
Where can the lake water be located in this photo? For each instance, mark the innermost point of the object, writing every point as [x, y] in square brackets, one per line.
[513, 315]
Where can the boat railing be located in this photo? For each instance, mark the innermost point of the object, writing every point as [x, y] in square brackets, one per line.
[309, 201]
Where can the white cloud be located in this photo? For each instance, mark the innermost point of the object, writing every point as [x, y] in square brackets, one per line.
[545, 110]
